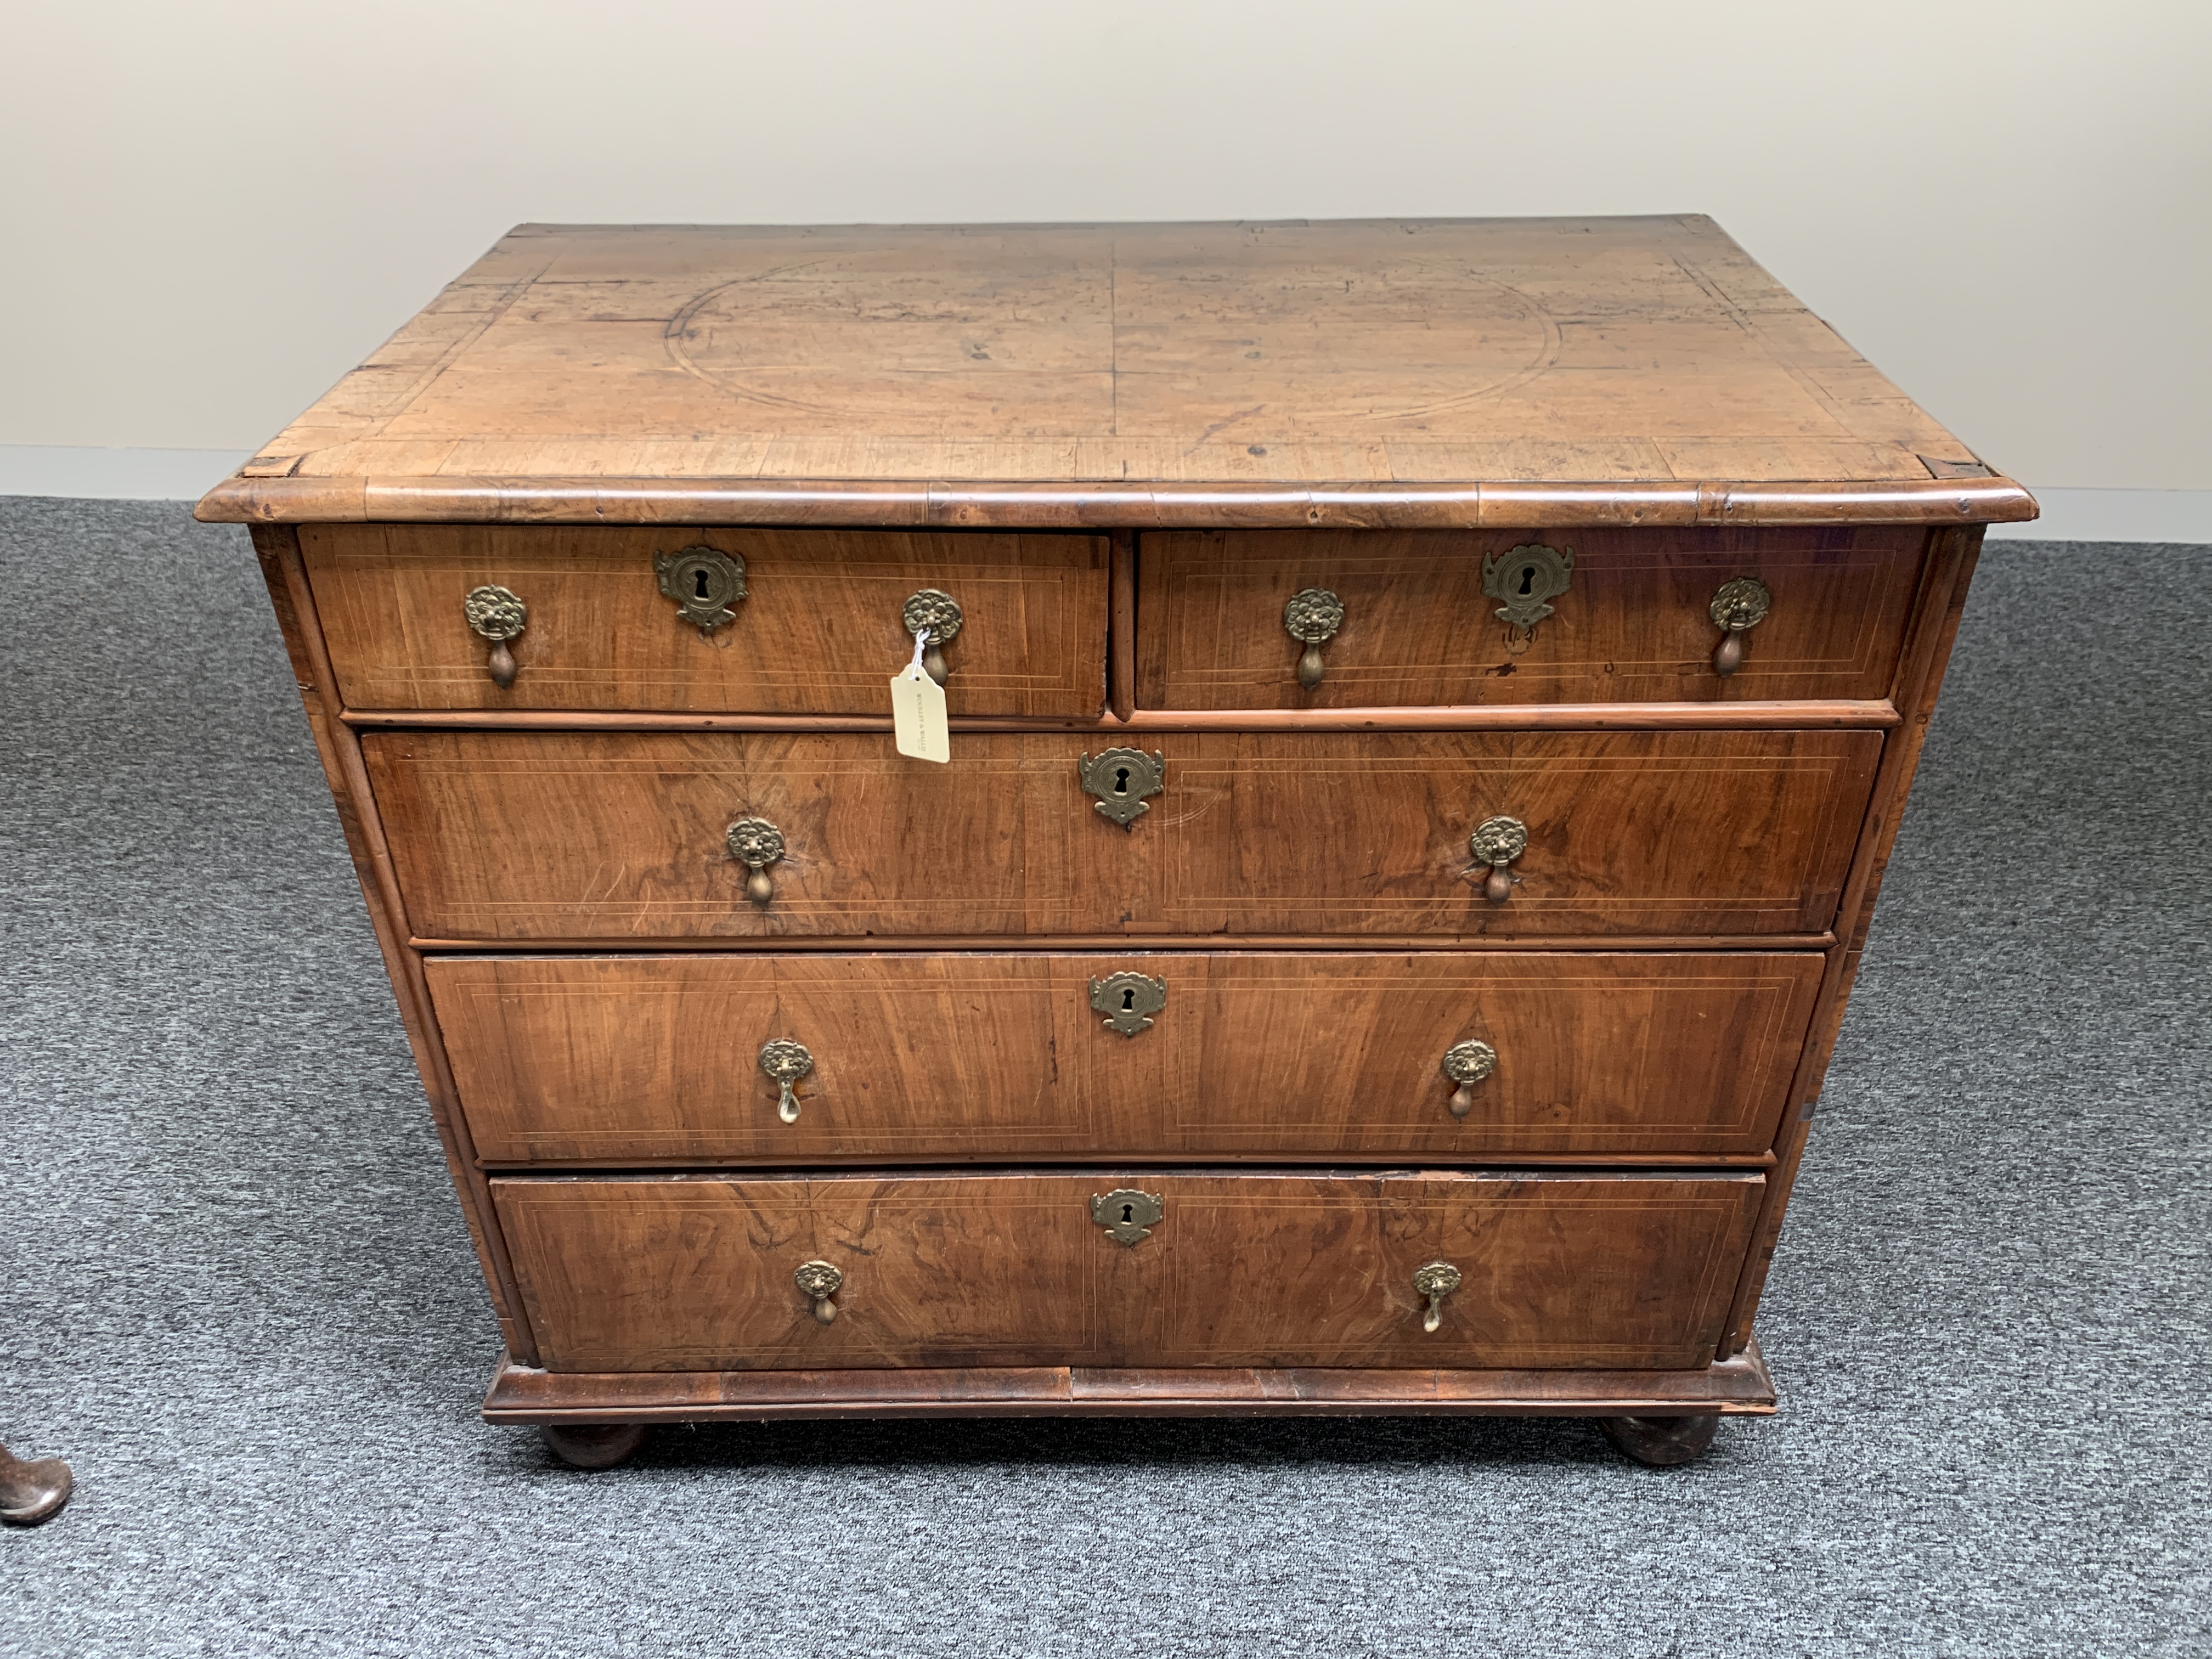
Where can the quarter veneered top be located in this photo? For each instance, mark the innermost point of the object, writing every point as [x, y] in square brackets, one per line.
[1381, 372]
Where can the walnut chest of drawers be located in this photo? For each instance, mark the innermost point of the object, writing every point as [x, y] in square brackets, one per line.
[1429, 704]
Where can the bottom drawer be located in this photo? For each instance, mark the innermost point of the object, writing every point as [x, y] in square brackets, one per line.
[688, 1273]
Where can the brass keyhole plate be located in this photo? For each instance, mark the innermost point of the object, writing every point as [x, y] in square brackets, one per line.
[1127, 1215]
[1526, 581]
[704, 581]
[1124, 780]
[1128, 1000]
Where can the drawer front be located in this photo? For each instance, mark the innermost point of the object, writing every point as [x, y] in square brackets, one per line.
[1579, 1270]
[820, 629]
[1634, 623]
[623, 836]
[956, 1057]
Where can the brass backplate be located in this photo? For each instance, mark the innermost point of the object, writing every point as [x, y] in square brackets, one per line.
[494, 612]
[1498, 841]
[1469, 1062]
[1741, 604]
[1313, 616]
[819, 1279]
[934, 610]
[1127, 1215]
[754, 842]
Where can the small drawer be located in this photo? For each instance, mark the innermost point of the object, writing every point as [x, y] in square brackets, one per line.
[769, 622]
[1413, 617]
[1216, 1054]
[1573, 1271]
[635, 836]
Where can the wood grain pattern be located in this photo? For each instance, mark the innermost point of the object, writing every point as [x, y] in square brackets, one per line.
[990, 1057]
[1581, 1271]
[1739, 1386]
[819, 632]
[1418, 628]
[515, 836]
[1405, 372]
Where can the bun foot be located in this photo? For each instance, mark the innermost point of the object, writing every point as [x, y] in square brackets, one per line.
[31, 1493]
[1661, 1441]
[593, 1445]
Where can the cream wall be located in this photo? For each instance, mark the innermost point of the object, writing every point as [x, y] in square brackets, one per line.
[212, 210]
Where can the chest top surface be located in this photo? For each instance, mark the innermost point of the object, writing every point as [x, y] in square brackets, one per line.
[1371, 373]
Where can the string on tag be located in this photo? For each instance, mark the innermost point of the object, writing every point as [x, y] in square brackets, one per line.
[920, 640]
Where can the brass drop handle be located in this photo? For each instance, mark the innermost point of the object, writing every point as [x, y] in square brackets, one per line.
[786, 1062]
[1436, 1281]
[821, 1280]
[1312, 617]
[1496, 842]
[1467, 1064]
[755, 843]
[939, 615]
[1740, 605]
[499, 615]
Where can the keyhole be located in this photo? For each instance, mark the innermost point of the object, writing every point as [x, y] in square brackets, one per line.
[1527, 579]
[699, 585]
[1129, 1001]
[1122, 780]
[1128, 1213]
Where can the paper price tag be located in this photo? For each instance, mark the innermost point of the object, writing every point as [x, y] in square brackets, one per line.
[918, 711]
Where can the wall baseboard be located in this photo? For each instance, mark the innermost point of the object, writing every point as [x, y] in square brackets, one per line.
[115, 475]
[84, 473]
[2115, 515]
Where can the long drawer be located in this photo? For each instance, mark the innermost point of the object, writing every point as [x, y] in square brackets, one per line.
[1574, 1271]
[1626, 615]
[797, 620]
[629, 835]
[937, 1057]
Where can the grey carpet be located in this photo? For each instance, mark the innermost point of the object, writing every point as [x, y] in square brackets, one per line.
[238, 1294]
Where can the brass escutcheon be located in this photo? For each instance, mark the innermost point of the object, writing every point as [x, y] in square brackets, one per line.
[1467, 1064]
[1127, 1215]
[1496, 842]
[1740, 605]
[786, 1062]
[1312, 617]
[755, 843]
[705, 582]
[1128, 1000]
[1122, 779]
[1435, 1281]
[499, 615]
[939, 613]
[1526, 581]
[820, 1280]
